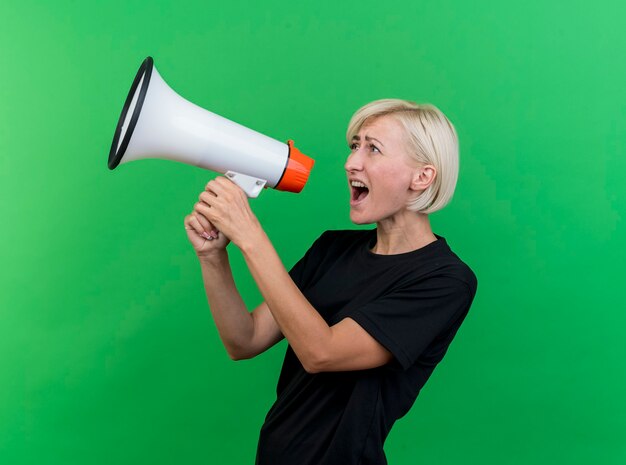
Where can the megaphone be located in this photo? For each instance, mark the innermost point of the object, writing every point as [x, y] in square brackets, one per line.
[156, 122]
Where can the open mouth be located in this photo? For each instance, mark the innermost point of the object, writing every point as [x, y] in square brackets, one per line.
[359, 191]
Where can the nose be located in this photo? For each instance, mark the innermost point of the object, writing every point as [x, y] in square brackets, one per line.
[354, 162]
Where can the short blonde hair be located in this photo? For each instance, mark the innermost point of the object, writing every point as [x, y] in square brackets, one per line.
[432, 140]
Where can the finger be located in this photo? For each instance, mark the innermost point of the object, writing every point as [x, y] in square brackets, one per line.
[226, 184]
[218, 186]
[187, 222]
[222, 193]
[207, 211]
[204, 209]
[206, 224]
[210, 197]
[207, 188]
[229, 185]
[192, 223]
[207, 197]
[212, 200]
[212, 185]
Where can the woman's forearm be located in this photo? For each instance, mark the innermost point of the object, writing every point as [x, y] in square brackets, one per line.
[232, 319]
[305, 329]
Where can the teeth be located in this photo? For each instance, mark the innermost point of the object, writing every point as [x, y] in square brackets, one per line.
[357, 184]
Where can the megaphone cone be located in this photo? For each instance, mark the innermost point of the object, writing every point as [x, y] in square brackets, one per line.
[156, 122]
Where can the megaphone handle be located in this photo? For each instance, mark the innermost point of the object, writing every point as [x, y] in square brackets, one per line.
[249, 184]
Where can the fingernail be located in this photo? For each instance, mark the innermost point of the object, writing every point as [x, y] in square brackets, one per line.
[215, 233]
[206, 235]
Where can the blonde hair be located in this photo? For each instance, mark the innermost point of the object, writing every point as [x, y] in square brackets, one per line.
[432, 140]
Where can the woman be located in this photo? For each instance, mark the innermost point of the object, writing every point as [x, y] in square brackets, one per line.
[368, 314]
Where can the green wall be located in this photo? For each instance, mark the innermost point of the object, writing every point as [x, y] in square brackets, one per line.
[108, 354]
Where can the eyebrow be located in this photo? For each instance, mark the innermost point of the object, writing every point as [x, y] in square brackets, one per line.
[367, 138]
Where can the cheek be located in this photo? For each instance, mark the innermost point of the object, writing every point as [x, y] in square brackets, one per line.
[395, 183]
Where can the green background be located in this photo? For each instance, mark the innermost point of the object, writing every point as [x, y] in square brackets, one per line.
[108, 354]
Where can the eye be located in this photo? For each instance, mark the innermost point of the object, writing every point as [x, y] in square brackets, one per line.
[353, 146]
[374, 148]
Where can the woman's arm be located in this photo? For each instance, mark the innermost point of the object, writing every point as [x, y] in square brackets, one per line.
[243, 334]
[319, 347]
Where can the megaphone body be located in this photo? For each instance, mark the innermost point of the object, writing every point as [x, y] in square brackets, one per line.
[156, 122]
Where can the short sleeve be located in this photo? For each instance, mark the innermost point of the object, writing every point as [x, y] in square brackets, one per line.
[408, 320]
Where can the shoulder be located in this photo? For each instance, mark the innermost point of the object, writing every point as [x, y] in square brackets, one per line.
[446, 264]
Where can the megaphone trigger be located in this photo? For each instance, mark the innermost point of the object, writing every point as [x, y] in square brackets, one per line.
[249, 184]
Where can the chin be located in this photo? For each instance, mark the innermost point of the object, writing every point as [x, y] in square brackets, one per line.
[360, 219]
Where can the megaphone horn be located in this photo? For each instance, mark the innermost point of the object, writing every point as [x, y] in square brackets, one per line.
[156, 122]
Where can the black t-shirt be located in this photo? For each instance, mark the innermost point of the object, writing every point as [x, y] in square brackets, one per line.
[411, 303]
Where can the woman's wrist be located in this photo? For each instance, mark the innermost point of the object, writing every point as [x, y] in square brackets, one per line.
[213, 257]
[254, 242]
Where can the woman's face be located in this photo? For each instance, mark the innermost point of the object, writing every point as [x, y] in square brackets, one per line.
[379, 171]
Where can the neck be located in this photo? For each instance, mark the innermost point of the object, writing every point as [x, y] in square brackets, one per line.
[405, 233]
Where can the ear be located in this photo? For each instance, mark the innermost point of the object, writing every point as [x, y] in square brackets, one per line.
[423, 177]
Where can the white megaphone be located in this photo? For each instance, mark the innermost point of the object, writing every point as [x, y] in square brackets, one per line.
[156, 122]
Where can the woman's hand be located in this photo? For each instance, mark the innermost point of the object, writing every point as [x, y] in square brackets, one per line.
[225, 207]
[204, 237]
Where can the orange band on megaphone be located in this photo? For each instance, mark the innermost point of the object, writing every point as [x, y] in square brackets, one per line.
[297, 170]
